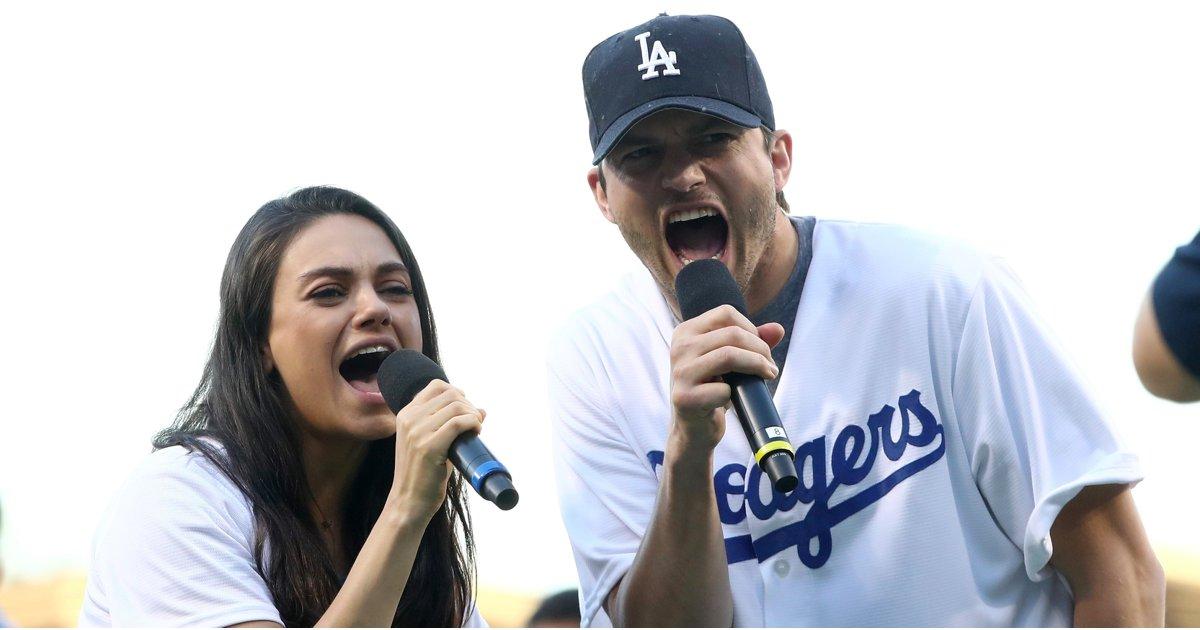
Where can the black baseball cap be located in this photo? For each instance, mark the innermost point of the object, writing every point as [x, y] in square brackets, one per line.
[695, 62]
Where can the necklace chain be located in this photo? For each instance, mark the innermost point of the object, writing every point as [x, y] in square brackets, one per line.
[326, 524]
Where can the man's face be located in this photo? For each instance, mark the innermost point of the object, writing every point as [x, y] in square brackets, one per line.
[683, 186]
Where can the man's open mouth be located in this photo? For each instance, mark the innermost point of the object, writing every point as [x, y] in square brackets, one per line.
[361, 369]
[697, 234]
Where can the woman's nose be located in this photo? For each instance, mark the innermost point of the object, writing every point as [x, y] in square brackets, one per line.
[371, 310]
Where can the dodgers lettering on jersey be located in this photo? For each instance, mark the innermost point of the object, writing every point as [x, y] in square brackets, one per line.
[854, 455]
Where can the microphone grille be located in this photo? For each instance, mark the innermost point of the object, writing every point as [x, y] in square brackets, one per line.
[704, 285]
[405, 373]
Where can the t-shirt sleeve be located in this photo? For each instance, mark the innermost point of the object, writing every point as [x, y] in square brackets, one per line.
[176, 550]
[1176, 296]
[1033, 435]
[606, 488]
[475, 620]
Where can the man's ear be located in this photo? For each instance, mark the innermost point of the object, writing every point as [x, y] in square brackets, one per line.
[781, 158]
[601, 195]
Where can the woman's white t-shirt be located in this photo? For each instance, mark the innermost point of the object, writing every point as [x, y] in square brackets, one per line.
[176, 548]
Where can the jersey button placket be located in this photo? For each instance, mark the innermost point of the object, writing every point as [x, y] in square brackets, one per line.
[782, 567]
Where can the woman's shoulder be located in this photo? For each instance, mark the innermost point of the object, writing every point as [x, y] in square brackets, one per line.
[184, 486]
[176, 547]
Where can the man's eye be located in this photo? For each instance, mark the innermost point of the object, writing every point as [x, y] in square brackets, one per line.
[716, 138]
[637, 154]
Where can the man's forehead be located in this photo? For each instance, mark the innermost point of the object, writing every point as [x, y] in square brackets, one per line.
[674, 121]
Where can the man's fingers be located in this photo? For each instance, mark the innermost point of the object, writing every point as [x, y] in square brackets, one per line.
[771, 333]
[705, 397]
[719, 317]
[728, 359]
[729, 336]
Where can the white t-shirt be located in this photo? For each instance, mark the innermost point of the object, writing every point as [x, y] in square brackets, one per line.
[176, 548]
[939, 431]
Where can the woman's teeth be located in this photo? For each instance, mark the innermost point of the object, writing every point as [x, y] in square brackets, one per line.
[370, 349]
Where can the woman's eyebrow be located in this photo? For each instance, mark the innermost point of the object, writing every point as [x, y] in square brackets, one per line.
[326, 272]
[393, 266]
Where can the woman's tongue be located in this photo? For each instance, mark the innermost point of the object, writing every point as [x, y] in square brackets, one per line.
[697, 239]
[365, 383]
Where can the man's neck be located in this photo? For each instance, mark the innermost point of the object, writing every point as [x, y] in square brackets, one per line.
[776, 265]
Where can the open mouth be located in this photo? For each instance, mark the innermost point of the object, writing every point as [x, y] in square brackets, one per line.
[697, 234]
[361, 370]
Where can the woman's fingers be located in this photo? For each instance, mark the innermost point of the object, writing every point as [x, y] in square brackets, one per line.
[433, 389]
[451, 410]
[451, 429]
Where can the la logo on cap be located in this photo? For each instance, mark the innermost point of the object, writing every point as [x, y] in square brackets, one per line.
[652, 60]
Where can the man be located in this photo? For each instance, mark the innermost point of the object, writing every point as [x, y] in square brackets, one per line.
[1166, 338]
[953, 470]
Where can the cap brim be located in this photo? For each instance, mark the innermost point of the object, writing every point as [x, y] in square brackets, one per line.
[701, 104]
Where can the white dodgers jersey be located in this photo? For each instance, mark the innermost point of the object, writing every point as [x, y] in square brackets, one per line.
[938, 432]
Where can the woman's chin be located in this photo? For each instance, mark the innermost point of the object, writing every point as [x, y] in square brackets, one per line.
[374, 424]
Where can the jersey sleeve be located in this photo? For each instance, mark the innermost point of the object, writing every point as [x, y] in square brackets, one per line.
[1176, 295]
[1033, 436]
[175, 550]
[606, 488]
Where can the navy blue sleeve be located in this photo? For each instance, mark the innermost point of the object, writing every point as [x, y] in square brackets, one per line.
[1177, 305]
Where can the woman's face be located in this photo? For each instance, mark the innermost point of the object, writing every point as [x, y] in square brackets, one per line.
[343, 301]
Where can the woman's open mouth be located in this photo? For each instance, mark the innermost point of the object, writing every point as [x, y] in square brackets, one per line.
[697, 234]
[361, 369]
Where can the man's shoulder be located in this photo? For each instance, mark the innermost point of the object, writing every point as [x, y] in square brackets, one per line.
[896, 256]
[629, 313]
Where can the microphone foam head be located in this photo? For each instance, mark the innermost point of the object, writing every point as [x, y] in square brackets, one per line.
[404, 374]
[704, 285]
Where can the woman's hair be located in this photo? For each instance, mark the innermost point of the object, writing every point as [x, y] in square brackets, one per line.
[245, 410]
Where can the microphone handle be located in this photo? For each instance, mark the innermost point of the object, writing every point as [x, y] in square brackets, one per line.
[484, 472]
[755, 409]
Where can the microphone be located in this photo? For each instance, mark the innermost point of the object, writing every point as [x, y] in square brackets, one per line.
[403, 375]
[700, 287]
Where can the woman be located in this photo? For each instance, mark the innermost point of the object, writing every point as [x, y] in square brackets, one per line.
[287, 492]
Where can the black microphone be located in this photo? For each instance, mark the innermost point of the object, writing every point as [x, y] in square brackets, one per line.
[403, 375]
[700, 287]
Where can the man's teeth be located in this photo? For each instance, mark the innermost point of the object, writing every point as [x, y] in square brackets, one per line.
[688, 215]
[370, 349]
[687, 261]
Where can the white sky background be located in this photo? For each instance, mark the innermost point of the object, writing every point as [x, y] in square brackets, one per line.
[136, 139]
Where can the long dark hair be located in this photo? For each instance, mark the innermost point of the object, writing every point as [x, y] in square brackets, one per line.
[242, 408]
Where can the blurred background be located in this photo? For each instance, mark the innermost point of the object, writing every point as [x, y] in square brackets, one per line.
[137, 138]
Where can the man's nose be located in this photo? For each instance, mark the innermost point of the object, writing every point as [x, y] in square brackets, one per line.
[681, 172]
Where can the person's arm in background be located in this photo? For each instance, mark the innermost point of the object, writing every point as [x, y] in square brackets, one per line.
[1160, 372]
[1166, 338]
[1102, 550]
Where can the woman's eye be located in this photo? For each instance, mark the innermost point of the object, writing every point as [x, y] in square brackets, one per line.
[397, 289]
[327, 293]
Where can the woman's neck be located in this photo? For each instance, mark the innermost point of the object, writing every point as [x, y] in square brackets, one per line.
[330, 468]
